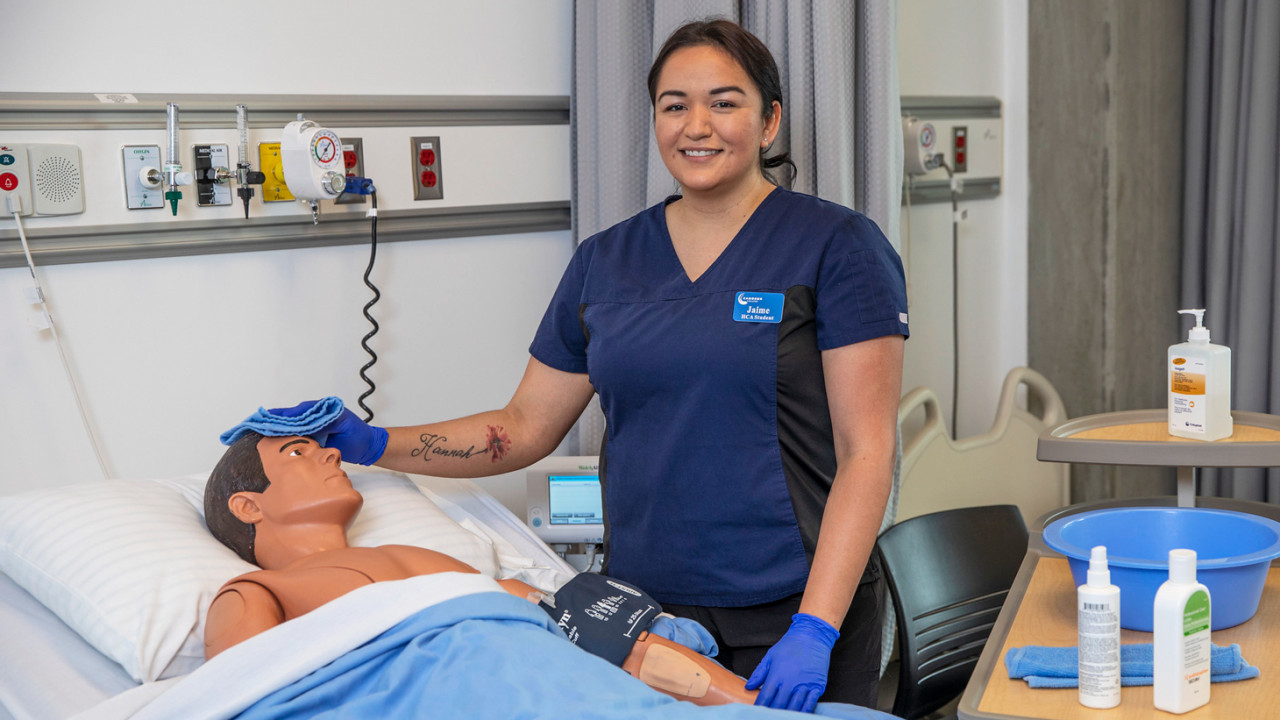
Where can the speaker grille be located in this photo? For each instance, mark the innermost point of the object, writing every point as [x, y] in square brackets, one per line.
[58, 179]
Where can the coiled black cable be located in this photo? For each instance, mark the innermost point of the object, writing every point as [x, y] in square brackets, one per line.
[364, 342]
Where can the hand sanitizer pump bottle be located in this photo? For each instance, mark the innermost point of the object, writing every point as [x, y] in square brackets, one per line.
[1199, 385]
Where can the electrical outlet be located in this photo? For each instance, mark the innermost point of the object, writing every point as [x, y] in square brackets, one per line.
[353, 165]
[428, 178]
[273, 187]
[960, 148]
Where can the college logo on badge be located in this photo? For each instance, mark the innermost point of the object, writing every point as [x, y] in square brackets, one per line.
[761, 307]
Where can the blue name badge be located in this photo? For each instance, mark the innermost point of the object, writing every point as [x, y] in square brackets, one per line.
[761, 307]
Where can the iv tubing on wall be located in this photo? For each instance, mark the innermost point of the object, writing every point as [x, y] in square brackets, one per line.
[16, 209]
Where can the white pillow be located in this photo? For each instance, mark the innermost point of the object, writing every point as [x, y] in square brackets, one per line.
[130, 566]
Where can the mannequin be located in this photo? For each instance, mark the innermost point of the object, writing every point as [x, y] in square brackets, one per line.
[288, 505]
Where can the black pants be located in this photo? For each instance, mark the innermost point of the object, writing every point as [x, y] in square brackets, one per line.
[745, 634]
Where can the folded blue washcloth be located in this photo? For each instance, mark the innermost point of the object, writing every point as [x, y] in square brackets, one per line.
[1056, 667]
[308, 424]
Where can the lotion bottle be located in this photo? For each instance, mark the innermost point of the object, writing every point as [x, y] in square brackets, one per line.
[1098, 623]
[1199, 385]
[1181, 643]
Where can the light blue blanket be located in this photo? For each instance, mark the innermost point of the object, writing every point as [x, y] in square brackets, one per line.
[482, 656]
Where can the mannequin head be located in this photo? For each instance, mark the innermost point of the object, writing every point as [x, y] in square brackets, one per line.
[276, 483]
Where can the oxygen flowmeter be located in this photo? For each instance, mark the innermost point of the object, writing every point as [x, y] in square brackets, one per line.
[311, 157]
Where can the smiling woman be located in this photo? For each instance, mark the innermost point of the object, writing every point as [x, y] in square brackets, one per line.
[746, 344]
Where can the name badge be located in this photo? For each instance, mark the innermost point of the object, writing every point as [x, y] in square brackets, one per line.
[761, 307]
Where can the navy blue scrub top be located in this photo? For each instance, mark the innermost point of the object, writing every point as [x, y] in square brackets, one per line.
[718, 454]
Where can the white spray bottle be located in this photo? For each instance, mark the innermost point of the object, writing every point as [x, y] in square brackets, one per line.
[1199, 385]
[1098, 623]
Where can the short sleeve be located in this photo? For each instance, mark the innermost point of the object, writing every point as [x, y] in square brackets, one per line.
[861, 288]
[561, 342]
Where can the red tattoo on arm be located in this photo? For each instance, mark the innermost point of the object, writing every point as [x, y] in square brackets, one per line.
[499, 443]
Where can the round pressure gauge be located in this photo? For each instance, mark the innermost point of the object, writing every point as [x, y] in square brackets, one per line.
[325, 147]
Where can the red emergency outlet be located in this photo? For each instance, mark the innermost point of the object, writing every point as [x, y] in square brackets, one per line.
[428, 178]
[960, 158]
[349, 158]
[427, 157]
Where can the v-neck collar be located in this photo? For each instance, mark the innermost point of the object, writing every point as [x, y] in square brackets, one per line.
[671, 246]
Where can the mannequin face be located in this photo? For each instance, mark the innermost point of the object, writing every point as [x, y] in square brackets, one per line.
[709, 120]
[308, 485]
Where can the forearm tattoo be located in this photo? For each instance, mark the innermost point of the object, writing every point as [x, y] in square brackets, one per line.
[497, 445]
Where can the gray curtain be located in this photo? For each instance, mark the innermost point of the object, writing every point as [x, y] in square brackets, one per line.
[1232, 191]
[841, 111]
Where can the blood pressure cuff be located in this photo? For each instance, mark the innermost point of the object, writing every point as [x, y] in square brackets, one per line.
[601, 615]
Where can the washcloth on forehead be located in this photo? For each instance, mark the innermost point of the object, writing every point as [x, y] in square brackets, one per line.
[307, 424]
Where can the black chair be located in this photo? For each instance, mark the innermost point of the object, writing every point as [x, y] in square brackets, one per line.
[949, 573]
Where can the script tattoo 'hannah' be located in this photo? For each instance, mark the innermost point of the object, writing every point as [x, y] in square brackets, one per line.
[433, 444]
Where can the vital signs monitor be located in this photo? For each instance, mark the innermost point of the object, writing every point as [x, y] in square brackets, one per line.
[565, 504]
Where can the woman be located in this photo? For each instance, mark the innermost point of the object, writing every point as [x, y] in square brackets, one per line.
[746, 342]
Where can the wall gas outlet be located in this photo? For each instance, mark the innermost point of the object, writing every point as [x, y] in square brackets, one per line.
[428, 178]
[960, 148]
[15, 177]
[353, 165]
[143, 179]
[273, 187]
[213, 175]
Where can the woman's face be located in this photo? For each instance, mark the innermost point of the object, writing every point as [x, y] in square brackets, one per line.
[708, 120]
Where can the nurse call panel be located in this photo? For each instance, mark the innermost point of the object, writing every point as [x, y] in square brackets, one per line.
[565, 504]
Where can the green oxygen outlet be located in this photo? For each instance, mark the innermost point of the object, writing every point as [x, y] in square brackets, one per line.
[173, 196]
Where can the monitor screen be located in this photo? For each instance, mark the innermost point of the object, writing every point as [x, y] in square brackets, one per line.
[575, 500]
[565, 503]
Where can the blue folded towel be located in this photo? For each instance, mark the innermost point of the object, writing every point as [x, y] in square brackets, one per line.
[308, 424]
[1056, 667]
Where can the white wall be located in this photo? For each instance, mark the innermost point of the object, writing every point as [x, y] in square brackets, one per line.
[172, 351]
[969, 47]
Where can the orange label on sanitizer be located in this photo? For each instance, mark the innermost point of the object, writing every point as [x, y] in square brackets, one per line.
[1185, 383]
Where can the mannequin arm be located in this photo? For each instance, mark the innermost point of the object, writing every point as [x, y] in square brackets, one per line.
[675, 670]
[240, 611]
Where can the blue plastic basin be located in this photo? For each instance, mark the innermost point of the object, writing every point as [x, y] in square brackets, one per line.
[1233, 552]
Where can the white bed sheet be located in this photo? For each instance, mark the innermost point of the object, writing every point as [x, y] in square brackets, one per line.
[48, 672]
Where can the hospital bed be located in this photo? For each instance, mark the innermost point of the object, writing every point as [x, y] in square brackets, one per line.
[72, 647]
[49, 671]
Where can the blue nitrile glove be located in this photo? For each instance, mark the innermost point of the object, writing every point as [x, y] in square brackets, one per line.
[358, 441]
[687, 632]
[793, 674]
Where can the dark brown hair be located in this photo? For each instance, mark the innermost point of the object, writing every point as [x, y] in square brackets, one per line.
[747, 50]
[239, 470]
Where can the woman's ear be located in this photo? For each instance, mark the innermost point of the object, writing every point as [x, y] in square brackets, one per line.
[244, 505]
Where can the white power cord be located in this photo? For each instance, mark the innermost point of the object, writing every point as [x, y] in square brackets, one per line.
[14, 203]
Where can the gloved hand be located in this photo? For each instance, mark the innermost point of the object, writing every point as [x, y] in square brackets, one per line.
[687, 632]
[793, 674]
[358, 441]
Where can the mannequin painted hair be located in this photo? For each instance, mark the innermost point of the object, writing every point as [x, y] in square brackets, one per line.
[239, 470]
